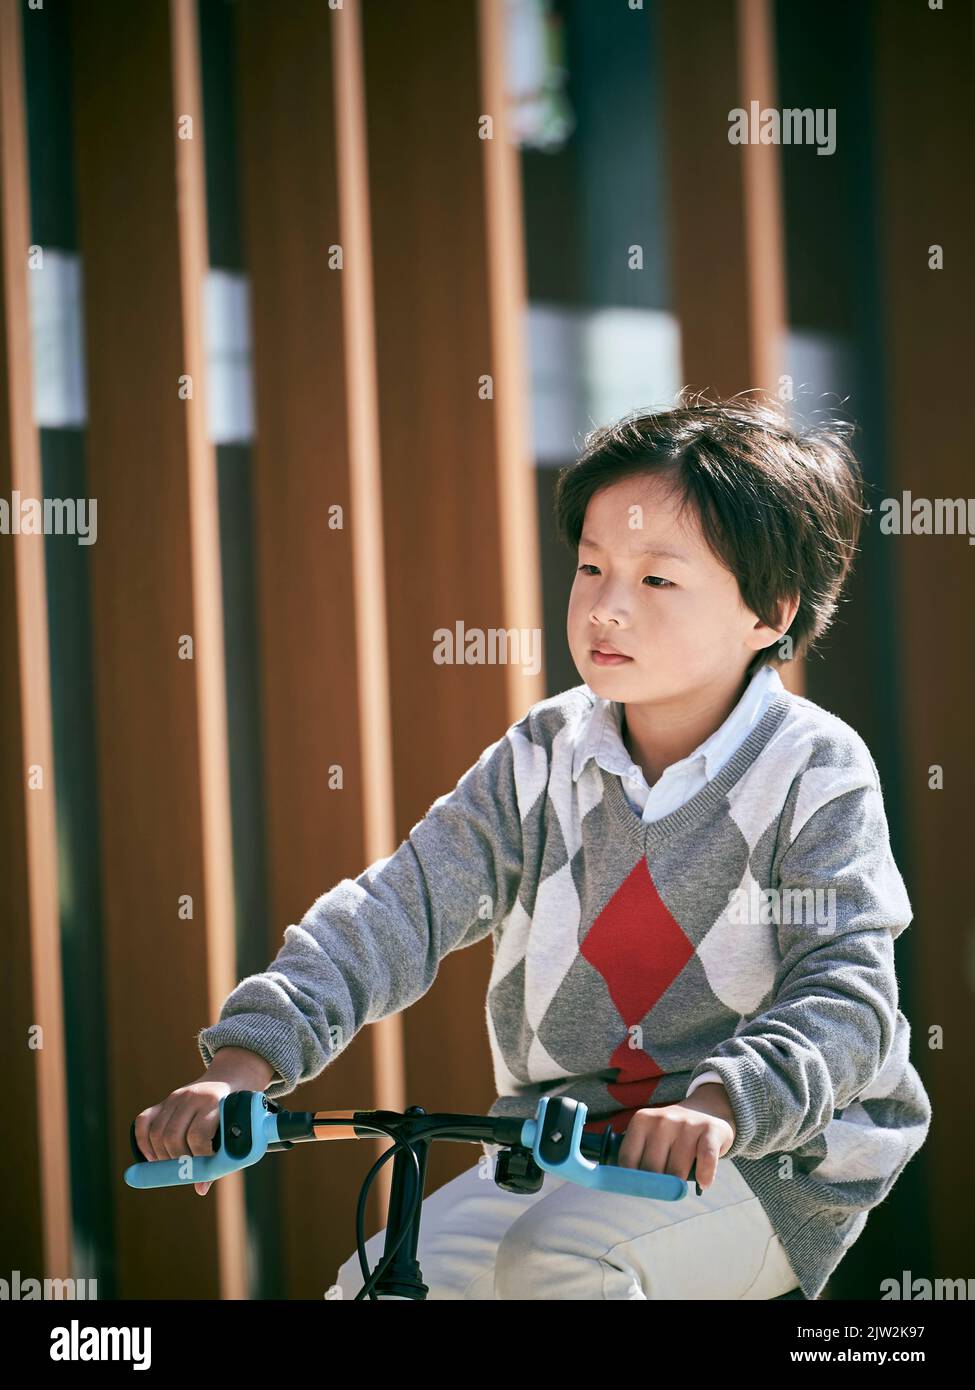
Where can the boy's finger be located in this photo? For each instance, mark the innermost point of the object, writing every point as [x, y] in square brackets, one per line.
[705, 1165]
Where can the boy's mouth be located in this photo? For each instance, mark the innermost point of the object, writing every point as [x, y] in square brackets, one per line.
[608, 658]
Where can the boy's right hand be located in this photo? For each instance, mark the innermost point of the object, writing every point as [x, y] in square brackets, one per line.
[184, 1123]
[187, 1120]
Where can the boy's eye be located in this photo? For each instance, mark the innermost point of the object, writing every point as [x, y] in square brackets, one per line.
[662, 582]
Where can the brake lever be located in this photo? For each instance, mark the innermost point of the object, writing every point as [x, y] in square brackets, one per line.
[247, 1128]
[554, 1136]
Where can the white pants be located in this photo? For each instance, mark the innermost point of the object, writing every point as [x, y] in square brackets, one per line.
[570, 1242]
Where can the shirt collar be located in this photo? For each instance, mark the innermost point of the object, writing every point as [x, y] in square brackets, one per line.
[600, 735]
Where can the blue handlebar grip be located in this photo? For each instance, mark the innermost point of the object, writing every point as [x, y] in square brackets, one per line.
[256, 1124]
[574, 1166]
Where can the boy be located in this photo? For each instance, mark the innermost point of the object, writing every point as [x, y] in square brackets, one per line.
[690, 890]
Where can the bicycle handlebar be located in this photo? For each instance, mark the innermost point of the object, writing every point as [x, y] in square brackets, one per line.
[251, 1125]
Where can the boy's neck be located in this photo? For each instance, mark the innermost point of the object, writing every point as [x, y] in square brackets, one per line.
[657, 735]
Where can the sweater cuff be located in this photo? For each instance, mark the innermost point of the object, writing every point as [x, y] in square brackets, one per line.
[267, 1037]
[701, 1081]
[748, 1097]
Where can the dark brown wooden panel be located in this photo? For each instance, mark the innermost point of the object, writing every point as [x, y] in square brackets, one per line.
[155, 579]
[926, 132]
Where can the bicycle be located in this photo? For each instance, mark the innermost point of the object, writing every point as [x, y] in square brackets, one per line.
[553, 1141]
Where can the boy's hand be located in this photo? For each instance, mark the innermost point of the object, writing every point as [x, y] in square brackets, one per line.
[184, 1123]
[669, 1138]
[187, 1120]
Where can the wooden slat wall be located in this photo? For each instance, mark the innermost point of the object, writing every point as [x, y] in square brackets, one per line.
[322, 637]
[35, 1233]
[342, 682]
[163, 783]
[926, 132]
[725, 202]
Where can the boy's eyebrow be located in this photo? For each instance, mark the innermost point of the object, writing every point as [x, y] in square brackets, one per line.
[656, 552]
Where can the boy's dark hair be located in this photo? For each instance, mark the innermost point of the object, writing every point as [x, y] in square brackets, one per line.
[780, 507]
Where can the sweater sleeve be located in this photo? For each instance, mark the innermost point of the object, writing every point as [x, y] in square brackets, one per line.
[830, 1026]
[372, 945]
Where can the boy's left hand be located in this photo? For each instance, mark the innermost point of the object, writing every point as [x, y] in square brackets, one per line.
[670, 1138]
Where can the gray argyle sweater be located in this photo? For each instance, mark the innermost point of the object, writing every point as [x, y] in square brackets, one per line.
[749, 933]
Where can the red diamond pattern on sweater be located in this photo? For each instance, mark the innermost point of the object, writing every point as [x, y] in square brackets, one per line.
[639, 949]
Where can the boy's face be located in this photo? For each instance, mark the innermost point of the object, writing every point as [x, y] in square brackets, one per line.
[682, 623]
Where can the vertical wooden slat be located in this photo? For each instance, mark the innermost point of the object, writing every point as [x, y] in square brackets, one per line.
[725, 202]
[506, 285]
[36, 1226]
[924, 64]
[764, 264]
[214, 771]
[365, 486]
[163, 780]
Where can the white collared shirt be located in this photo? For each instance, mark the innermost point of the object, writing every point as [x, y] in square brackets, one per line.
[601, 738]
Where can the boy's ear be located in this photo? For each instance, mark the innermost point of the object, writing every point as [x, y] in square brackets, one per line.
[787, 611]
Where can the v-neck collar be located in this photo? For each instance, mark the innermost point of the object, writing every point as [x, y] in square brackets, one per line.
[647, 833]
